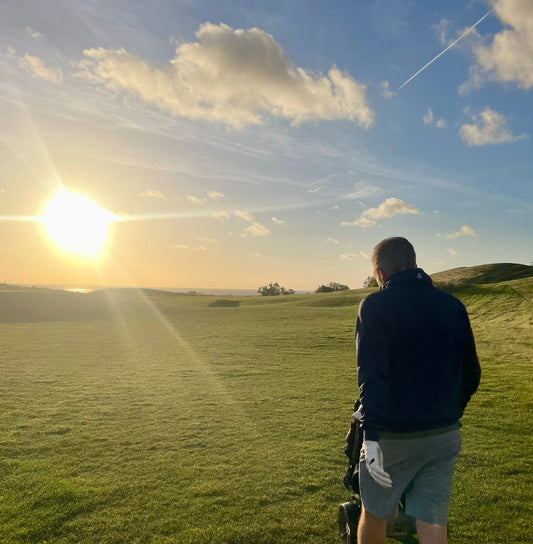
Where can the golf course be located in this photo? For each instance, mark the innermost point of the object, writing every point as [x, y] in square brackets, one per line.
[149, 417]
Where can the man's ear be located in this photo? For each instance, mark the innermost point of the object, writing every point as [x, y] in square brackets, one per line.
[381, 277]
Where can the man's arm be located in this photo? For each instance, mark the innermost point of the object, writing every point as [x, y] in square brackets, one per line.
[471, 371]
[372, 368]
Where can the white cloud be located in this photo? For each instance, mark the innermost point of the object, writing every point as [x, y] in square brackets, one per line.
[489, 127]
[189, 248]
[452, 251]
[150, 193]
[206, 239]
[348, 256]
[363, 221]
[214, 195]
[196, 200]
[465, 230]
[365, 255]
[244, 215]
[256, 229]
[332, 241]
[388, 208]
[509, 57]
[362, 189]
[36, 67]
[442, 29]
[279, 221]
[428, 118]
[233, 77]
[385, 90]
[221, 215]
[34, 34]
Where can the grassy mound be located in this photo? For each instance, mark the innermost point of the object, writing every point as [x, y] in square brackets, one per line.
[482, 274]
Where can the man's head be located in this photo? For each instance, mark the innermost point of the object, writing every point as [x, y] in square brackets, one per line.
[390, 256]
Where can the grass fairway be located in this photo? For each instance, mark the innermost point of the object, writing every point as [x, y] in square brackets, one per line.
[187, 420]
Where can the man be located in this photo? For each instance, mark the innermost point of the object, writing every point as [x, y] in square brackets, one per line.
[417, 369]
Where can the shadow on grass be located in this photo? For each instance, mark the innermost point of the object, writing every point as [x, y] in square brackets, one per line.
[224, 304]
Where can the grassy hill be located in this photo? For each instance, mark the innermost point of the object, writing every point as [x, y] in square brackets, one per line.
[163, 419]
[482, 274]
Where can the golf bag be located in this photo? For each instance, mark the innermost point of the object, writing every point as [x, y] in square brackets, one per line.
[401, 527]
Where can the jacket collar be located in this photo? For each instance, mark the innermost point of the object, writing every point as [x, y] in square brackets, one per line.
[411, 275]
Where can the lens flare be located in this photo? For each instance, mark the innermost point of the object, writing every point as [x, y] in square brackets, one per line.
[76, 224]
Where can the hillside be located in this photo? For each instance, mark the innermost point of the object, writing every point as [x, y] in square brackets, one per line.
[482, 274]
[24, 304]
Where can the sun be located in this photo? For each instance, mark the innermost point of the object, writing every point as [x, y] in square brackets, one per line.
[76, 224]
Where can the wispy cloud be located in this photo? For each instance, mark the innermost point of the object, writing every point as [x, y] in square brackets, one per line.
[221, 215]
[362, 189]
[452, 252]
[38, 69]
[256, 229]
[388, 208]
[189, 248]
[196, 200]
[233, 77]
[428, 117]
[353, 256]
[206, 239]
[465, 230]
[151, 193]
[489, 127]
[279, 221]
[244, 215]
[332, 241]
[214, 195]
[385, 90]
[33, 33]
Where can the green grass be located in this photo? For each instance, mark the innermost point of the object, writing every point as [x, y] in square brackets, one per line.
[170, 419]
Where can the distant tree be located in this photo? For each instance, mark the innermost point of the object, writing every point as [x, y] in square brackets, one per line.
[274, 289]
[370, 282]
[331, 286]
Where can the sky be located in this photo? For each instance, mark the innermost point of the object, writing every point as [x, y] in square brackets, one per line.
[240, 143]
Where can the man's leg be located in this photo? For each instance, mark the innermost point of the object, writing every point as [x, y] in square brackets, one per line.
[371, 530]
[429, 533]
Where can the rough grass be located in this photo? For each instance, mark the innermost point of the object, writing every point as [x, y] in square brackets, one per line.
[483, 274]
[170, 421]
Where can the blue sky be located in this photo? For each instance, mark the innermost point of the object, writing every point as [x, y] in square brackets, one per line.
[248, 142]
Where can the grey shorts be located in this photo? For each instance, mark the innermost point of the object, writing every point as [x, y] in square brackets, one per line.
[422, 468]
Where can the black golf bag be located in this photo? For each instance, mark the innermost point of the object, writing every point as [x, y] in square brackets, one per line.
[402, 527]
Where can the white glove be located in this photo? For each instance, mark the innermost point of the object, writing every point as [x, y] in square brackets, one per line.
[374, 463]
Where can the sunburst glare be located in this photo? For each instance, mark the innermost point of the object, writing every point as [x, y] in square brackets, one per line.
[76, 224]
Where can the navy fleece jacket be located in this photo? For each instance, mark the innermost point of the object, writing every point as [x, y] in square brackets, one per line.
[417, 362]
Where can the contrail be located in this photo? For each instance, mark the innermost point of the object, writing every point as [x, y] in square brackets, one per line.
[449, 47]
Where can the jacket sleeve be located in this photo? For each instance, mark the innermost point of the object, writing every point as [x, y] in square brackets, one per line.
[471, 370]
[372, 368]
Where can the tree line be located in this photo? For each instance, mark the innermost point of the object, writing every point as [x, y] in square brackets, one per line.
[275, 289]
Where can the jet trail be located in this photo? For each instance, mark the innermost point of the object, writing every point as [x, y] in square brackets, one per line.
[467, 31]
